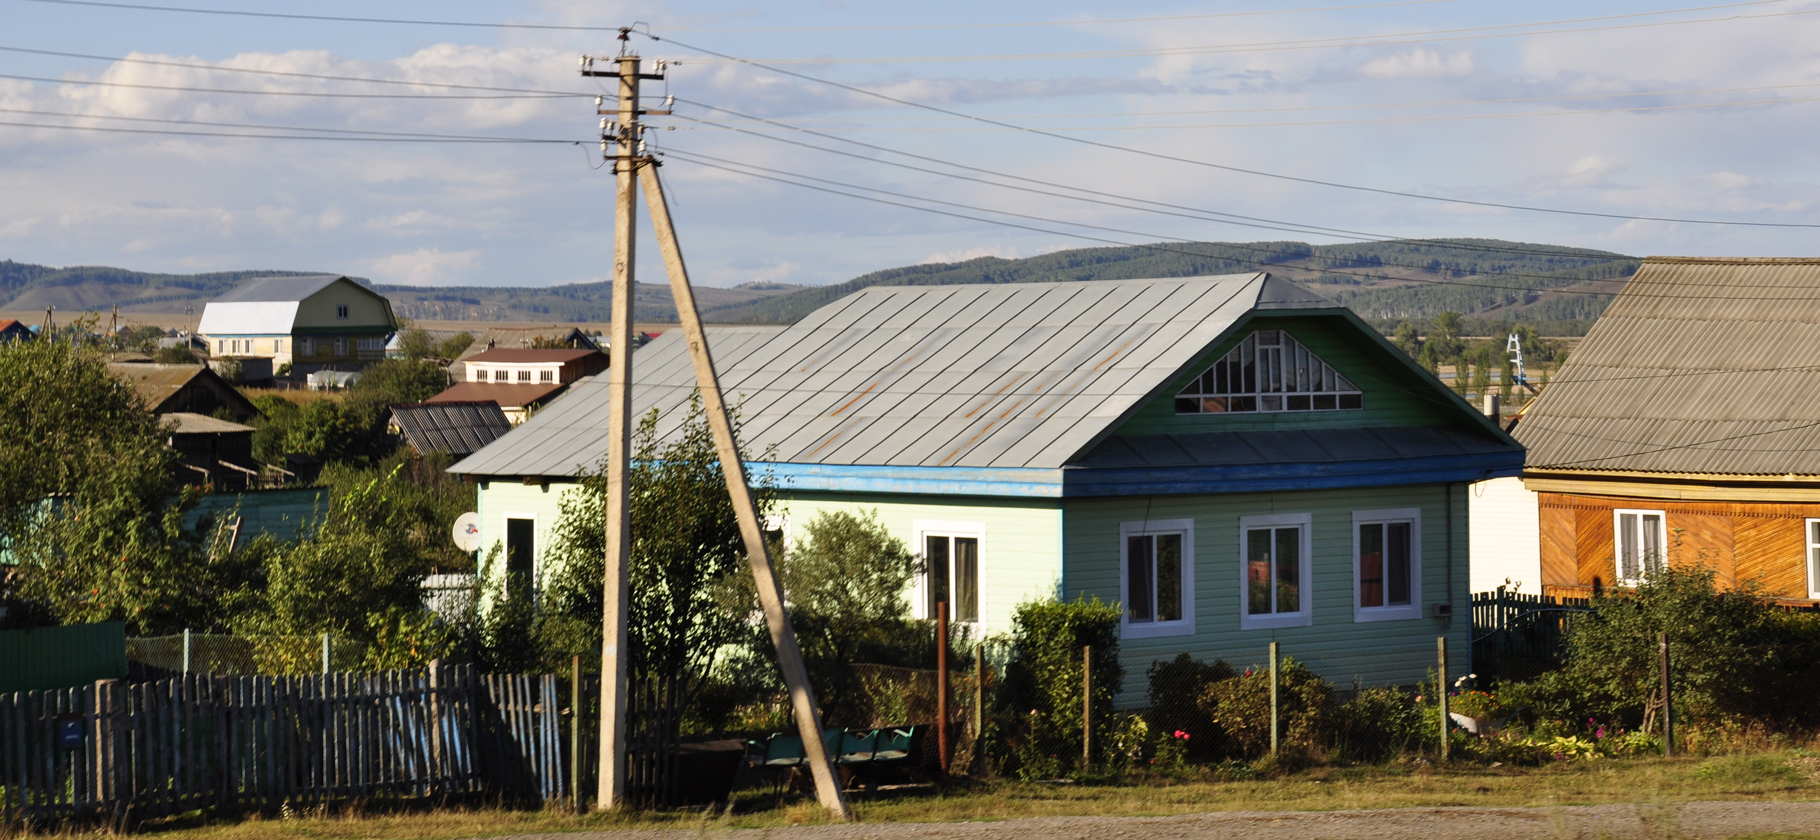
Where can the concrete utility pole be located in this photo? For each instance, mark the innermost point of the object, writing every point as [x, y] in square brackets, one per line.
[633, 166]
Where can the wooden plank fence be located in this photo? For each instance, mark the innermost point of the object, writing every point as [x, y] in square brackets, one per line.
[131, 751]
[1518, 636]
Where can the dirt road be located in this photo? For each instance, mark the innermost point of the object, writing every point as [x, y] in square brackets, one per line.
[1617, 822]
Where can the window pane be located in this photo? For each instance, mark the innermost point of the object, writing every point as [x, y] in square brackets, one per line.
[1168, 577]
[936, 556]
[1352, 401]
[1221, 384]
[1627, 546]
[1301, 369]
[1186, 406]
[1248, 364]
[1289, 570]
[1137, 578]
[1371, 565]
[1244, 403]
[1272, 402]
[1297, 402]
[1323, 402]
[1396, 563]
[1257, 571]
[1813, 537]
[966, 579]
[1651, 526]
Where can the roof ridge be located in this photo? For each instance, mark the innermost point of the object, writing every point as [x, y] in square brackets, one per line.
[1734, 260]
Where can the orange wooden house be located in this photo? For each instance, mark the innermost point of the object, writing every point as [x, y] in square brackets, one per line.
[1686, 428]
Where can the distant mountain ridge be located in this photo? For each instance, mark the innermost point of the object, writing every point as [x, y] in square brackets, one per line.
[1485, 279]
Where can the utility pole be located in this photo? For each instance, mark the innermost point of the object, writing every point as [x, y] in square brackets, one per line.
[758, 553]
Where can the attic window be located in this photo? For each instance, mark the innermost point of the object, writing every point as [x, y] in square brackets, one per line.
[341, 311]
[1269, 371]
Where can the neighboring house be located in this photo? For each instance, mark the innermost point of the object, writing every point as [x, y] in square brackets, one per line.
[170, 389]
[520, 381]
[1233, 459]
[214, 452]
[458, 428]
[309, 322]
[11, 330]
[522, 338]
[1679, 431]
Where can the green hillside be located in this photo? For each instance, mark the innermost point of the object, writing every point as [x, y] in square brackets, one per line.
[1484, 278]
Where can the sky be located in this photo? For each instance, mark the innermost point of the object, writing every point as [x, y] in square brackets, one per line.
[1149, 114]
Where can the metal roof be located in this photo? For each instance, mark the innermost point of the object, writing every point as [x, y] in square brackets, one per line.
[1014, 375]
[532, 356]
[503, 394]
[270, 289]
[1706, 366]
[186, 423]
[458, 428]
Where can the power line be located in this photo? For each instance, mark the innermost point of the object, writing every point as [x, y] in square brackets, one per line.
[702, 160]
[330, 95]
[374, 137]
[577, 28]
[1237, 169]
[288, 74]
[1386, 39]
[360, 131]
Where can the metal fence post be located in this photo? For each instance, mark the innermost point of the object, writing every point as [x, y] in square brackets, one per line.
[1441, 695]
[979, 708]
[575, 733]
[1668, 706]
[1274, 727]
[326, 650]
[1086, 706]
[943, 746]
[186, 650]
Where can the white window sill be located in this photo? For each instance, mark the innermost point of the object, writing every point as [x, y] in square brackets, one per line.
[1274, 622]
[1156, 629]
[1364, 615]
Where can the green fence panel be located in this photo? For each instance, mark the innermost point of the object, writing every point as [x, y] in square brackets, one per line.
[60, 657]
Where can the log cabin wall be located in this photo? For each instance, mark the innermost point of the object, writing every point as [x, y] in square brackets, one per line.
[1740, 541]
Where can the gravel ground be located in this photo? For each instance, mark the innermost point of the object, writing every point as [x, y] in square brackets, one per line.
[1690, 820]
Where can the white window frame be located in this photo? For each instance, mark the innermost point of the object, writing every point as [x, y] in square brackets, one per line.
[341, 346]
[1156, 629]
[1301, 618]
[341, 311]
[1388, 612]
[1812, 527]
[926, 528]
[277, 345]
[1617, 544]
[306, 347]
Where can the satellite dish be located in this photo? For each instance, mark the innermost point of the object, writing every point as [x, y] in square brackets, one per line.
[467, 531]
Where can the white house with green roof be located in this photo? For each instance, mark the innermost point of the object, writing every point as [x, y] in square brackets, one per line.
[1233, 459]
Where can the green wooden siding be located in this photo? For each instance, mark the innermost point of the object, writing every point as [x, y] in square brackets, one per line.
[287, 515]
[62, 657]
[1394, 395]
[1372, 653]
[1020, 553]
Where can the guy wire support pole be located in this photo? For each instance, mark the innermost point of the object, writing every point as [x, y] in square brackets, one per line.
[758, 553]
[615, 589]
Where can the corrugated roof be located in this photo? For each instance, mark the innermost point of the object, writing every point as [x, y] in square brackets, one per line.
[185, 423]
[1011, 375]
[504, 394]
[458, 428]
[1700, 365]
[546, 356]
[270, 289]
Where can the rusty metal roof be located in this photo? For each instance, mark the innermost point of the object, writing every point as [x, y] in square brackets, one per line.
[1701, 365]
[1009, 375]
[554, 355]
[512, 395]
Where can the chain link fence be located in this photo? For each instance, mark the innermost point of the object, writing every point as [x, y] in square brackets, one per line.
[159, 657]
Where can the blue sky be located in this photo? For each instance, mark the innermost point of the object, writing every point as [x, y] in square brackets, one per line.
[1667, 109]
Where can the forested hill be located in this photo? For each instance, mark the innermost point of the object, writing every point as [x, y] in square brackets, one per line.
[1485, 279]
[26, 287]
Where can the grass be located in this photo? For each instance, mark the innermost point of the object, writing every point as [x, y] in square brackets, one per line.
[1780, 776]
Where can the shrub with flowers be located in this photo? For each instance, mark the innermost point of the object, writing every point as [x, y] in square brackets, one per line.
[1483, 705]
[1171, 753]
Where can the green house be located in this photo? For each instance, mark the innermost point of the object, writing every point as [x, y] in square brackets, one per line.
[1233, 459]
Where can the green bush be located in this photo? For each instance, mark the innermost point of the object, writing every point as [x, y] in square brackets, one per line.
[1042, 686]
[1176, 688]
[1240, 706]
[1378, 724]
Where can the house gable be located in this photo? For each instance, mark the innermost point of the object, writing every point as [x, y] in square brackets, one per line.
[366, 310]
[1394, 393]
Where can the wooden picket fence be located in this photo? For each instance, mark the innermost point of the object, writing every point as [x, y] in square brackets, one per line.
[131, 751]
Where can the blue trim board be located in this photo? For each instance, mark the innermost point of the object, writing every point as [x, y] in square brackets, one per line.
[1073, 482]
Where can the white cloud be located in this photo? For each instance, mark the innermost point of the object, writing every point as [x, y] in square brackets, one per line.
[1418, 63]
[424, 267]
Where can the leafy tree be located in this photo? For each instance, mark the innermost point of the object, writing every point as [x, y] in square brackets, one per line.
[323, 429]
[392, 382]
[1407, 340]
[273, 426]
[1042, 686]
[416, 343]
[688, 575]
[175, 354]
[455, 345]
[69, 427]
[845, 583]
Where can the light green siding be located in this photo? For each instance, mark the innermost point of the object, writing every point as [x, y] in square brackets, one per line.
[1372, 653]
[1394, 395]
[1020, 550]
[367, 311]
[500, 500]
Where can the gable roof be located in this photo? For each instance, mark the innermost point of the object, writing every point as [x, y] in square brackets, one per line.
[984, 376]
[161, 386]
[502, 394]
[1705, 366]
[188, 423]
[537, 356]
[458, 428]
[271, 289]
